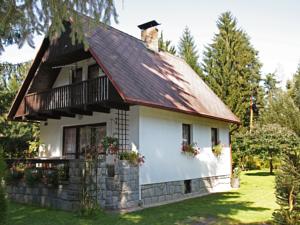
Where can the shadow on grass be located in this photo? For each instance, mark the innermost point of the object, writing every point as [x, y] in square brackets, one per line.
[260, 174]
[219, 206]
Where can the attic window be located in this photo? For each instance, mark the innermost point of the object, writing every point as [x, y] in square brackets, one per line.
[187, 186]
[95, 71]
[77, 75]
[186, 134]
[214, 136]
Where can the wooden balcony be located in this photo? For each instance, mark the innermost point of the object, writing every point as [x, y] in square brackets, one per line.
[80, 98]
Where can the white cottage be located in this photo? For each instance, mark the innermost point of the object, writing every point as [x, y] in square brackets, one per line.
[150, 100]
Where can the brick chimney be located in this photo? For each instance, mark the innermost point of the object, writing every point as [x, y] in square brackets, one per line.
[149, 34]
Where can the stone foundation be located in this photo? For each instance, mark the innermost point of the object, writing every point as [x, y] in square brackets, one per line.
[117, 192]
[159, 193]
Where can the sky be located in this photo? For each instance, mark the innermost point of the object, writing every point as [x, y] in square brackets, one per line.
[273, 26]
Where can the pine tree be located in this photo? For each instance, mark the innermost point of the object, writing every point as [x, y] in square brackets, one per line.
[165, 45]
[232, 69]
[188, 50]
[21, 19]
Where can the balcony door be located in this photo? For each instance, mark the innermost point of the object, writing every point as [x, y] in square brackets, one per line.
[78, 141]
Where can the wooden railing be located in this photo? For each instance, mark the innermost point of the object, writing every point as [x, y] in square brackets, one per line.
[87, 92]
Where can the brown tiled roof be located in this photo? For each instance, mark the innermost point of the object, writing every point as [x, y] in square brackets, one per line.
[154, 79]
[144, 77]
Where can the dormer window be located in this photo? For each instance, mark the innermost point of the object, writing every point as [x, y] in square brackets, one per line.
[94, 71]
[77, 75]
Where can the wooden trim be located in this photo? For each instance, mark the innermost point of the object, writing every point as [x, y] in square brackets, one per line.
[22, 91]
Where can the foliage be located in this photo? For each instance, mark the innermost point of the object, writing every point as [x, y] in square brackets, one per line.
[217, 150]
[14, 174]
[288, 189]
[165, 45]
[188, 50]
[270, 84]
[247, 205]
[51, 177]
[21, 20]
[32, 176]
[232, 69]
[133, 157]
[266, 141]
[110, 145]
[3, 202]
[190, 149]
[236, 173]
[282, 110]
[294, 89]
[15, 137]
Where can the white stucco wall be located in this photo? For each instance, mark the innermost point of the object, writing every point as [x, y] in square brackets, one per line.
[160, 142]
[52, 133]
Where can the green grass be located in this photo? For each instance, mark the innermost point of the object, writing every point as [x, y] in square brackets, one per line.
[253, 203]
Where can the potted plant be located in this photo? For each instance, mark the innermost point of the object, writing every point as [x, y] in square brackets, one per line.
[235, 179]
[190, 149]
[133, 157]
[217, 150]
[32, 175]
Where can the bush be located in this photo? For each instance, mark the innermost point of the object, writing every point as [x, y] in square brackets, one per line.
[32, 176]
[288, 189]
[51, 176]
[3, 203]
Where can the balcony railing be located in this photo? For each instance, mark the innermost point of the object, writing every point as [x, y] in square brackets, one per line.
[89, 92]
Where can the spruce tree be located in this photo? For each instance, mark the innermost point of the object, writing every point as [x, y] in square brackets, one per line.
[21, 19]
[188, 50]
[165, 45]
[232, 69]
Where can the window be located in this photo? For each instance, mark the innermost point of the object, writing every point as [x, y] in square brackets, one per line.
[186, 134]
[76, 138]
[77, 75]
[214, 136]
[94, 71]
[187, 186]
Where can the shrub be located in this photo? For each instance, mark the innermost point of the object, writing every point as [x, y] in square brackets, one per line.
[51, 176]
[14, 174]
[32, 176]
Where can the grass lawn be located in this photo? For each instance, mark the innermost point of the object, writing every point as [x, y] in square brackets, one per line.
[253, 203]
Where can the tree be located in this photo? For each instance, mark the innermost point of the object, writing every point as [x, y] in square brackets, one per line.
[282, 110]
[266, 141]
[232, 69]
[188, 50]
[14, 137]
[287, 188]
[294, 89]
[21, 20]
[270, 84]
[165, 45]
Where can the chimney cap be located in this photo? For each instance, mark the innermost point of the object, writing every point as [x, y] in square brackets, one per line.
[147, 25]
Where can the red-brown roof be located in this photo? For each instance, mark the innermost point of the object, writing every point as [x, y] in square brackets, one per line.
[156, 79]
[144, 77]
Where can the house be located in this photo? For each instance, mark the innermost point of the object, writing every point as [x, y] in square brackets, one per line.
[150, 100]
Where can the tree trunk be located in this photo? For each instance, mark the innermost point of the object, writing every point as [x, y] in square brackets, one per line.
[271, 166]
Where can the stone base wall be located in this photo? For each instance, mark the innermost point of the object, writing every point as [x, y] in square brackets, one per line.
[65, 196]
[116, 192]
[158, 193]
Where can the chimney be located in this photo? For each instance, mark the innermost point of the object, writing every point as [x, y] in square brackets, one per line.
[149, 34]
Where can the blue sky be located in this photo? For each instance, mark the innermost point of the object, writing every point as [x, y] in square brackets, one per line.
[273, 26]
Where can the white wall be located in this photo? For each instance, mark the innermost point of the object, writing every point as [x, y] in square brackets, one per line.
[160, 141]
[52, 133]
[64, 76]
